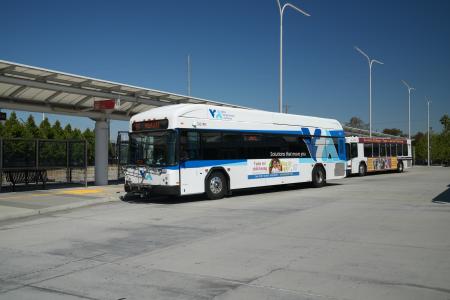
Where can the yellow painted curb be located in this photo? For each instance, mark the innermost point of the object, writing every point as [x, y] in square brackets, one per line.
[82, 192]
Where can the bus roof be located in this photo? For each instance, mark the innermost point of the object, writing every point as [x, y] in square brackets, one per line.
[233, 115]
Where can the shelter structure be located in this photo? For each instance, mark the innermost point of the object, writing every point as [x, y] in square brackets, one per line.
[35, 89]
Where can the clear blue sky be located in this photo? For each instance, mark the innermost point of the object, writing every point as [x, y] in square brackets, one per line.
[234, 47]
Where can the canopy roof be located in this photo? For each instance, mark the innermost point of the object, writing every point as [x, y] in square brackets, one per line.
[36, 89]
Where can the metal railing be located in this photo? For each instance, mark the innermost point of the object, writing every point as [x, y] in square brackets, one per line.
[60, 160]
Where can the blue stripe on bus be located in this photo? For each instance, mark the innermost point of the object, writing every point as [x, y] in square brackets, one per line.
[259, 176]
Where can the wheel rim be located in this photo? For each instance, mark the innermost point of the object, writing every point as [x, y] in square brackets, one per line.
[215, 185]
[361, 169]
[401, 167]
[319, 178]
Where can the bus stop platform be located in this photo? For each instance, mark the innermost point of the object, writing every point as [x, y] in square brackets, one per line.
[30, 203]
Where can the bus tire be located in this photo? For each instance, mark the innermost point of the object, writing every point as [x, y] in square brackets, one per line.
[216, 185]
[362, 169]
[400, 167]
[319, 177]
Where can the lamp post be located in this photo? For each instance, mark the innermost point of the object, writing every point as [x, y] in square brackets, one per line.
[281, 9]
[409, 107]
[370, 61]
[428, 122]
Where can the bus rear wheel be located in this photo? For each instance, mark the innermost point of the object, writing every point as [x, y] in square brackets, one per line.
[216, 185]
[400, 167]
[362, 169]
[319, 178]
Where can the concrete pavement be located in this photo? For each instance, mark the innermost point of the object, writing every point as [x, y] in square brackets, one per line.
[376, 237]
[28, 203]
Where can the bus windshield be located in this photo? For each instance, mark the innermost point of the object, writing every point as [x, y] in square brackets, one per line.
[152, 148]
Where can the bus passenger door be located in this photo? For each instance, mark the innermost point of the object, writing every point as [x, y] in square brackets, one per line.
[348, 157]
[191, 175]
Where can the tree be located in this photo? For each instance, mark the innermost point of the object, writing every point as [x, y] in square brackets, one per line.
[58, 132]
[439, 144]
[31, 130]
[2, 129]
[89, 136]
[17, 152]
[68, 133]
[356, 122]
[76, 134]
[13, 127]
[45, 130]
[445, 121]
[393, 131]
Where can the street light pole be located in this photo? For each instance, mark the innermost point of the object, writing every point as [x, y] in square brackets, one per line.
[370, 61]
[409, 107]
[281, 9]
[428, 122]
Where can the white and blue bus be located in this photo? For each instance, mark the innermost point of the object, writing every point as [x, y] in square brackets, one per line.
[190, 149]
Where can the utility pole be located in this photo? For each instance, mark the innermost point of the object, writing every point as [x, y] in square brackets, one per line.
[428, 122]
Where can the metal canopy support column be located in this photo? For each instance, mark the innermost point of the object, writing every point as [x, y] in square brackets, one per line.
[101, 152]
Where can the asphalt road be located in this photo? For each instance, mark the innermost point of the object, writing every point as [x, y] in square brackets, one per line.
[376, 237]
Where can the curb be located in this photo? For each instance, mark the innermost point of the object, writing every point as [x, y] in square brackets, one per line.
[57, 208]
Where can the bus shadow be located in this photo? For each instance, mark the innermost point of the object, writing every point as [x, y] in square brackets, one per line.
[368, 174]
[443, 198]
[136, 199]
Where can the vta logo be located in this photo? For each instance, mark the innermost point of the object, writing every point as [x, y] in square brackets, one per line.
[145, 175]
[216, 114]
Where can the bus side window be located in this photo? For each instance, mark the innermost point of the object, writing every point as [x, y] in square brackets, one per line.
[354, 150]
[382, 149]
[339, 145]
[211, 143]
[232, 146]
[368, 150]
[376, 150]
[405, 149]
[254, 146]
[296, 146]
[399, 150]
[388, 149]
[189, 145]
[308, 143]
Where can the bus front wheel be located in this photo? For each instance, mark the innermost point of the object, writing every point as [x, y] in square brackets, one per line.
[318, 177]
[216, 185]
[400, 167]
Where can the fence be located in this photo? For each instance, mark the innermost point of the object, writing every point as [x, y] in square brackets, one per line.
[25, 161]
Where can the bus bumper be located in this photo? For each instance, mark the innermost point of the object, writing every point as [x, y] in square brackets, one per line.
[173, 190]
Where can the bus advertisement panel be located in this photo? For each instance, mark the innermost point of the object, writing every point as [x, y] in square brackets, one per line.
[275, 167]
